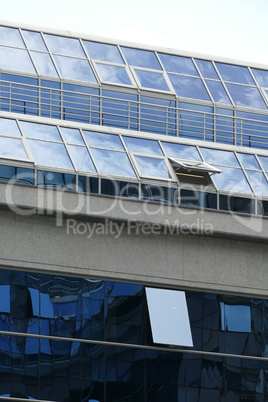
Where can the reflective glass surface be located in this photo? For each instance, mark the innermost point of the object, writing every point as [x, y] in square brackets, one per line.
[141, 58]
[149, 79]
[9, 127]
[141, 145]
[233, 73]
[40, 131]
[206, 69]
[264, 162]
[249, 161]
[44, 154]
[181, 151]
[74, 69]
[103, 51]
[232, 179]
[72, 136]
[112, 162]
[44, 64]
[81, 158]
[261, 77]
[12, 147]
[219, 157]
[152, 167]
[102, 140]
[9, 60]
[246, 96]
[34, 40]
[178, 64]
[258, 181]
[65, 46]
[189, 87]
[10, 37]
[218, 92]
[114, 74]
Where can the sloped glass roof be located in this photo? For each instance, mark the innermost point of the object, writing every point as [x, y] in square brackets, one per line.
[94, 62]
[117, 155]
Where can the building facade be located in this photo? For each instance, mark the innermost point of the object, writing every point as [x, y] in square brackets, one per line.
[134, 204]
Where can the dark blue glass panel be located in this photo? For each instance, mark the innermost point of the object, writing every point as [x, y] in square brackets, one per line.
[141, 58]
[195, 121]
[119, 109]
[261, 76]
[218, 92]
[178, 64]
[103, 51]
[224, 126]
[54, 179]
[254, 129]
[198, 199]
[246, 96]
[119, 188]
[237, 204]
[143, 146]
[152, 80]
[50, 99]
[114, 74]
[207, 69]
[233, 73]
[262, 208]
[159, 194]
[88, 184]
[158, 115]
[189, 87]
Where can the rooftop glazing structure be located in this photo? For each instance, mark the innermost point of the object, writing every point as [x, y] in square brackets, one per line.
[138, 317]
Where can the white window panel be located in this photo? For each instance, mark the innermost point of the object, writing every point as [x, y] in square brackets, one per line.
[169, 317]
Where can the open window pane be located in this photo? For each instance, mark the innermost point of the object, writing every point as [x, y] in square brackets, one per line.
[169, 317]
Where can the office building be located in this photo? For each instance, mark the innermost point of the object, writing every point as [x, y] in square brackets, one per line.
[134, 204]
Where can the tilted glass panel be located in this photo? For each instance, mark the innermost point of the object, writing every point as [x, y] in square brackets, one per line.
[218, 92]
[66, 46]
[112, 162]
[178, 64]
[115, 74]
[264, 162]
[103, 51]
[249, 161]
[207, 69]
[102, 140]
[143, 146]
[141, 58]
[261, 77]
[9, 127]
[9, 60]
[232, 179]
[169, 317]
[219, 157]
[34, 41]
[12, 147]
[50, 154]
[152, 167]
[72, 136]
[246, 96]
[258, 181]
[233, 73]
[149, 79]
[40, 131]
[81, 158]
[44, 64]
[189, 87]
[75, 69]
[181, 151]
[11, 37]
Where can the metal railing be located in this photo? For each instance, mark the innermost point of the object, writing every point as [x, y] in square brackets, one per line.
[132, 115]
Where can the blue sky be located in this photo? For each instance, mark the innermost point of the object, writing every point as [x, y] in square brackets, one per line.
[229, 28]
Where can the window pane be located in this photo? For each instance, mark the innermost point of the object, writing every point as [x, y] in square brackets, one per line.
[50, 154]
[189, 87]
[178, 64]
[235, 318]
[102, 140]
[233, 73]
[114, 74]
[9, 127]
[264, 162]
[140, 145]
[261, 77]
[207, 69]
[141, 58]
[169, 317]
[81, 158]
[75, 69]
[152, 167]
[218, 92]
[12, 147]
[72, 136]
[11, 37]
[9, 60]
[181, 151]
[66, 46]
[34, 41]
[40, 131]
[44, 64]
[102, 51]
[249, 161]
[246, 96]
[112, 162]
[219, 157]
[152, 80]
[258, 181]
[232, 179]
